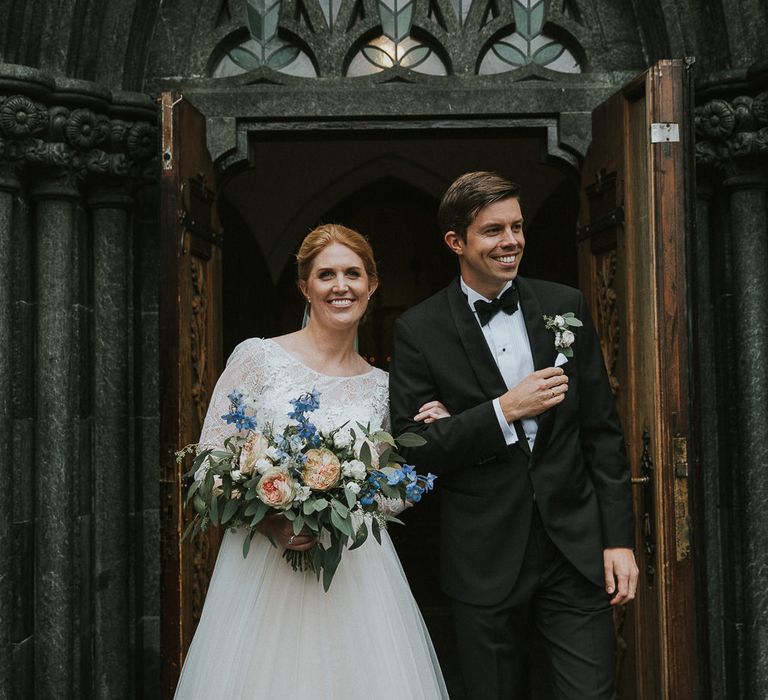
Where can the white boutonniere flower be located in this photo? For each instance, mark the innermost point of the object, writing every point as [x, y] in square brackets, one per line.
[561, 326]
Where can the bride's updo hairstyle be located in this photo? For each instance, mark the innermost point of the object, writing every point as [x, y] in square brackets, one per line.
[325, 235]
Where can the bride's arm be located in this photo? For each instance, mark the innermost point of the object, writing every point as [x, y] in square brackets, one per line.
[241, 372]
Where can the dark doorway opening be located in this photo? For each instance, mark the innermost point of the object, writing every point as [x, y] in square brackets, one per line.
[387, 186]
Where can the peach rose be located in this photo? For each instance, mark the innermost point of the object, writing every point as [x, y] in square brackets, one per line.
[322, 470]
[254, 449]
[276, 488]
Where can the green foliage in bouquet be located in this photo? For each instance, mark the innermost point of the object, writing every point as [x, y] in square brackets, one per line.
[335, 485]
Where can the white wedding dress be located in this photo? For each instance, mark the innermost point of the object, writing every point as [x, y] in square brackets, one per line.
[267, 632]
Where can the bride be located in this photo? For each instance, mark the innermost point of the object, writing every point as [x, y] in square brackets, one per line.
[267, 632]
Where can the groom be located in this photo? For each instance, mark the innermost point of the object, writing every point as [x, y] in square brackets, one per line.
[536, 511]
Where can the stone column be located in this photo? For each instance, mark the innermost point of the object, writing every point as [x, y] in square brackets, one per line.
[749, 221]
[111, 221]
[55, 465]
[733, 142]
[9, 186]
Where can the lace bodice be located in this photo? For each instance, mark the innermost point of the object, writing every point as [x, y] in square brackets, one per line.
[274, 377]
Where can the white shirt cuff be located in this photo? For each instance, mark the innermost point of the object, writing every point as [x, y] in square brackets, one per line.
[510, 436]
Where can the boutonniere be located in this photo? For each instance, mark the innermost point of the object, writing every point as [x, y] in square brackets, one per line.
[561, 326]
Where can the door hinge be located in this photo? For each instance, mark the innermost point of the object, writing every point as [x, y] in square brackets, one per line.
[663, 132]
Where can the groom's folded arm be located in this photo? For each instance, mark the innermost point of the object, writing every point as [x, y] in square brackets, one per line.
[453, 443]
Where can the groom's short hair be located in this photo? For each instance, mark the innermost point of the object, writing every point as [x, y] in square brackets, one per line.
[467, 195]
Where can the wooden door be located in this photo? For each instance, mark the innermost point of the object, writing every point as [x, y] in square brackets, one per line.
[191, 361]
[634, 223]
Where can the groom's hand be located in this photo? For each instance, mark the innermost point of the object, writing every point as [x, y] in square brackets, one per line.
[620, 574]
[535, 394]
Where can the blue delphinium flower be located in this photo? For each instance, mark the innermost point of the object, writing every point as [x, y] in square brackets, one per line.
[414, 491]
[306, 403]
[429, 481]
[237, 413]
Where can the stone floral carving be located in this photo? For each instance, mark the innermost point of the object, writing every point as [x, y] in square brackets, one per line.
[141, 141]
[84, 129]
[76, 142]
[20, 116]
[716, 119]
[732, 132]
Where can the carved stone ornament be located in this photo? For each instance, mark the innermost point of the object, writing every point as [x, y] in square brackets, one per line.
[77, 142]
[728, 132]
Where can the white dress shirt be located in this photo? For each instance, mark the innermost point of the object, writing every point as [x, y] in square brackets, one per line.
[508, 342]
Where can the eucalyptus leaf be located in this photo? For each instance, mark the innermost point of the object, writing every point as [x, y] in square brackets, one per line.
[308, 507]
[393, 519]
[360, 536]
[376, 529]
[320, 504]
[383, 436]
[290, 515]
[365, 455]
[574, 322]
[329, 569]
[298, 524]
[192, 490]
[188, 528]
[229, 510]
[214, 510]
[342, 524]
[247, 543]
[340, 508]
[351, 498]
[390, 491]
[410, 440]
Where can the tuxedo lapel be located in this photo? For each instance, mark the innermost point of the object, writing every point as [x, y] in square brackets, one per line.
[472, 338]
[542, 348]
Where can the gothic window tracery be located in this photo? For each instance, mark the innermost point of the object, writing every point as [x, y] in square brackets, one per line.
[353, 38]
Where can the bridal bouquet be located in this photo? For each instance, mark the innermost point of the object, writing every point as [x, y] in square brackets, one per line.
[317, 480]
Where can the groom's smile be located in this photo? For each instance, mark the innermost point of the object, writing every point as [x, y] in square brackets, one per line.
[490, 253]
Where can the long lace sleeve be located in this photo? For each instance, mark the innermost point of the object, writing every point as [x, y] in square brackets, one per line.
[242, 371]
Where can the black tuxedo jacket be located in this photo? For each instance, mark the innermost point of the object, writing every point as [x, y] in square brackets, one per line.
[577, 468]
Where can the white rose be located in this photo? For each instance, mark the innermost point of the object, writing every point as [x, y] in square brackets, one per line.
[558, 340]
[559, 321]
[354, 487]
[342, 439]
[354, 469]
[236, 475]
[302, 493]
[262, 465]
[567, 339]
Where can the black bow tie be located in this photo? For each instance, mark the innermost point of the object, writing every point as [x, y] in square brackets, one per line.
[507, 303]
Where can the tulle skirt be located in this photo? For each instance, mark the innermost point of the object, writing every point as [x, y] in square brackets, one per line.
[267, 632]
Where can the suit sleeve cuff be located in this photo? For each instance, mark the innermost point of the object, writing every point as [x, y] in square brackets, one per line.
[510, 436]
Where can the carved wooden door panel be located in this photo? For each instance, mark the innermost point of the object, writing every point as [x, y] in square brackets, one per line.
[634, 218]
[191, 361]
